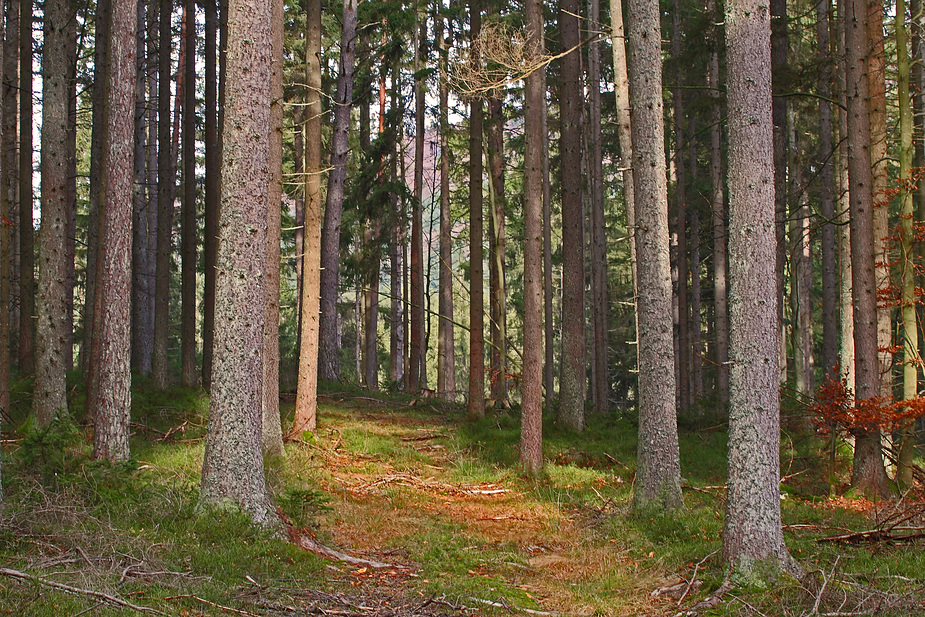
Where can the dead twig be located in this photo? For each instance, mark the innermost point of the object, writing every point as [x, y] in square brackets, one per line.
[224, 609]
[516, 609]
[312, 545]
[99, 595]
[694, 576]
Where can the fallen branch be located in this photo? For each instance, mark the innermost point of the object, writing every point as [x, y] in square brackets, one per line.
[876, 536]
[224, 609]
[312, 545]
[516, 609]
[105, 597]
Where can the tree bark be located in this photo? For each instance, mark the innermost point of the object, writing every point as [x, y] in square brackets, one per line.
[188, 376]
[232, 471]
[753, 541]
[876, 74]
[476, 406]
[6, 253]
[306, 409]
[869, 476]
[549, 320]
[779, 53]
[718, 217]
[907, 262]
[272, 423]
[329, 353]
[160, 367]
[50, 397]
[26, 230]
[418, 354]
[845, 293]
[211, 188]
[600, 378]
[696, 324]
[446, 339]
[658, 475]
[497, 247]
[141, 337]
[9, 161]
[572, 378]
[826, 162]
[109, 390]
[531, 425]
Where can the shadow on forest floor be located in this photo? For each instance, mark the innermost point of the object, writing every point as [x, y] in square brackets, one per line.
[413, 484]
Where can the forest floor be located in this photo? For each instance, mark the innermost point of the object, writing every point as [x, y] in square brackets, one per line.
[431, 516]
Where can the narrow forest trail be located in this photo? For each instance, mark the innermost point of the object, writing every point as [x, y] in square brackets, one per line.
[404, 490]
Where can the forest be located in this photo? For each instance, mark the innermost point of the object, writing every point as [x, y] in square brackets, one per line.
[448, 308]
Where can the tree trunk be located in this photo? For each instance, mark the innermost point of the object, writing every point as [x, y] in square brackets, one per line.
[826, 164]
[600, 379]
[801, 273]
[232, 471]
[188, 225]
[497, 247]
[418, 354]
[211, 202]
[329, 353]
[875, 61]
[684, 342]
[272, 423]
[150, 272]
[869, 476]
[695, 297]
[549, 320]
[9, 161]
[572, 379]
[306, 408]
[110, 379]
[6, 253]
[718, 217]
[26, 199]
[531, 431]
[845, 293]
[753, 540]
[907, 262]
[160, 367]
[141, 338]
[50, 397]
[446, 354]
[658, 475]
[476, 406]
[779, 52]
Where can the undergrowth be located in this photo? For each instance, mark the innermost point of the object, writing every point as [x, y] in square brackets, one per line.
[414, 483]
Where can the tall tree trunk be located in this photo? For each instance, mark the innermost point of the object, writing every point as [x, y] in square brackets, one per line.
[718, 216]
[826, 162]
[869, 476]
[6, 253]
[418, 354]
[109, 390]
[188, 224]
[695, 297]
[497, 247]
[684, 343]
[876, 74]
[531, 431]
[600, 381]
[658, 476]
[232, 469]
[150, 273]
[141, 338]
[9, 161]
[907, 234]
[329, 353]
[50, 397]
[476, 407]
[397, 311]
[549, 362]
[211, 202]
[845, 292]
[26, 200]
[572, 380]
[160, 366]
[272, 423]
[753, 540]
[779, 53]
[801, 272]
[306, 408]
[446, 354]
[71, 175]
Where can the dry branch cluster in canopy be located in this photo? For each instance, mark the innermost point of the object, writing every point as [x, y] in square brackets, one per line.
[499, 56]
